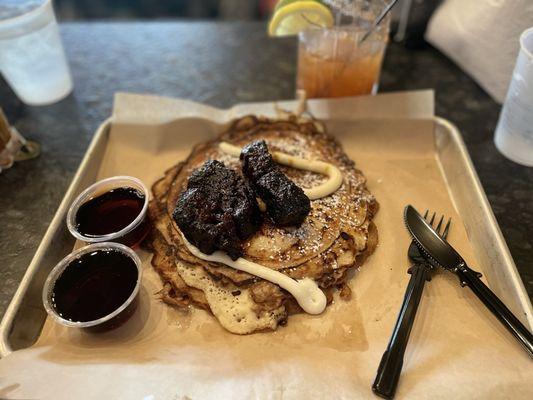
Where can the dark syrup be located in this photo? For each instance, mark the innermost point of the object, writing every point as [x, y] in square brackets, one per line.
[94, 285]
[112, 212]
[109, 212]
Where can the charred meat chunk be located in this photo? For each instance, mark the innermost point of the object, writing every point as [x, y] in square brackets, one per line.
[218, 210]
[286, 202]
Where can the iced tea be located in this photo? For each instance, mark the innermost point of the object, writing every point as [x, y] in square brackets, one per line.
[335, 63]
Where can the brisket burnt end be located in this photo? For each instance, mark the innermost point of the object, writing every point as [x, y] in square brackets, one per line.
[286, 202]
[218, 210]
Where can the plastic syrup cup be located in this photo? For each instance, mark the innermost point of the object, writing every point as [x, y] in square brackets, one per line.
[108, 322]
[130, 235]
[514, 133]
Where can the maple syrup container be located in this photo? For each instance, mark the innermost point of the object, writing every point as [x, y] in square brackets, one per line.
[95, 288]
[111, 210]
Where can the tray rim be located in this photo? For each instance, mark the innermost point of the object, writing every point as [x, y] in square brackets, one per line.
[14, 304]
[503, 249]
[478, 191]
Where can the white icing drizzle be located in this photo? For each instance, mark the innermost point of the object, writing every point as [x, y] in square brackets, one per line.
[305, 291]
[331, 171]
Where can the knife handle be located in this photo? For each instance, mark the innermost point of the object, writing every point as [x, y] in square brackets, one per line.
[470, 278]
[390, 367]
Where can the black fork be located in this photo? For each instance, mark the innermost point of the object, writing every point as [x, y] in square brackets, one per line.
[390, 367]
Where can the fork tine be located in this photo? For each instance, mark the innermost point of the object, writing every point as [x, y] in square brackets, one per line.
[432, 219]
[426, 214]
[439, 224]
[446, 229]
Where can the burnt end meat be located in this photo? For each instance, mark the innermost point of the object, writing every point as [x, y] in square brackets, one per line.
[286, 202]
[218, 210]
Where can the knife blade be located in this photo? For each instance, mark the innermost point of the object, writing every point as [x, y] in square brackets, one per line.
[429, 241]
[441, 253]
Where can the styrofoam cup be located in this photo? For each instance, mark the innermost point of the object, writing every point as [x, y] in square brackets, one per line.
[514, 133]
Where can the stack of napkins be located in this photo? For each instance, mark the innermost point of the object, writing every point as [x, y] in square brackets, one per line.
[482, 37]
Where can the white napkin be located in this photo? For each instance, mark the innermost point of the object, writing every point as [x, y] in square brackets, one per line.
[482, 37]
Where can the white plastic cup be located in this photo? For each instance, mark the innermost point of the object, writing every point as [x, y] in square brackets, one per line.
[32, 59]
[514, 133]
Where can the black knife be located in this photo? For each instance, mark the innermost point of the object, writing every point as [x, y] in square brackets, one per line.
[441, 253]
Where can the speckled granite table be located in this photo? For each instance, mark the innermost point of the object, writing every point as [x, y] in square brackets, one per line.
[219, 64]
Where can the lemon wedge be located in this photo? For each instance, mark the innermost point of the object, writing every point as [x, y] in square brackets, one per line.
[293, 16]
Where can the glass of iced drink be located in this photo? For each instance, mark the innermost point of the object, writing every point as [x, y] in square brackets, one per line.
[32, 59]
[337, 62]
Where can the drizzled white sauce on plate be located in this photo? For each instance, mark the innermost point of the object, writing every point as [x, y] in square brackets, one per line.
[305, 291]
[323, 190]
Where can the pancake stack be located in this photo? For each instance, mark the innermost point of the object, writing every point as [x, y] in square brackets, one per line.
[336, 236]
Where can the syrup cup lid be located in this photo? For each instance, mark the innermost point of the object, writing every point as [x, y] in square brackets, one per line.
[100, 188]
[64, 263]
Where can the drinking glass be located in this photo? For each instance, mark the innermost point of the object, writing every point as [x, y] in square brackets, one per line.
[335, 62]
[32, 59]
